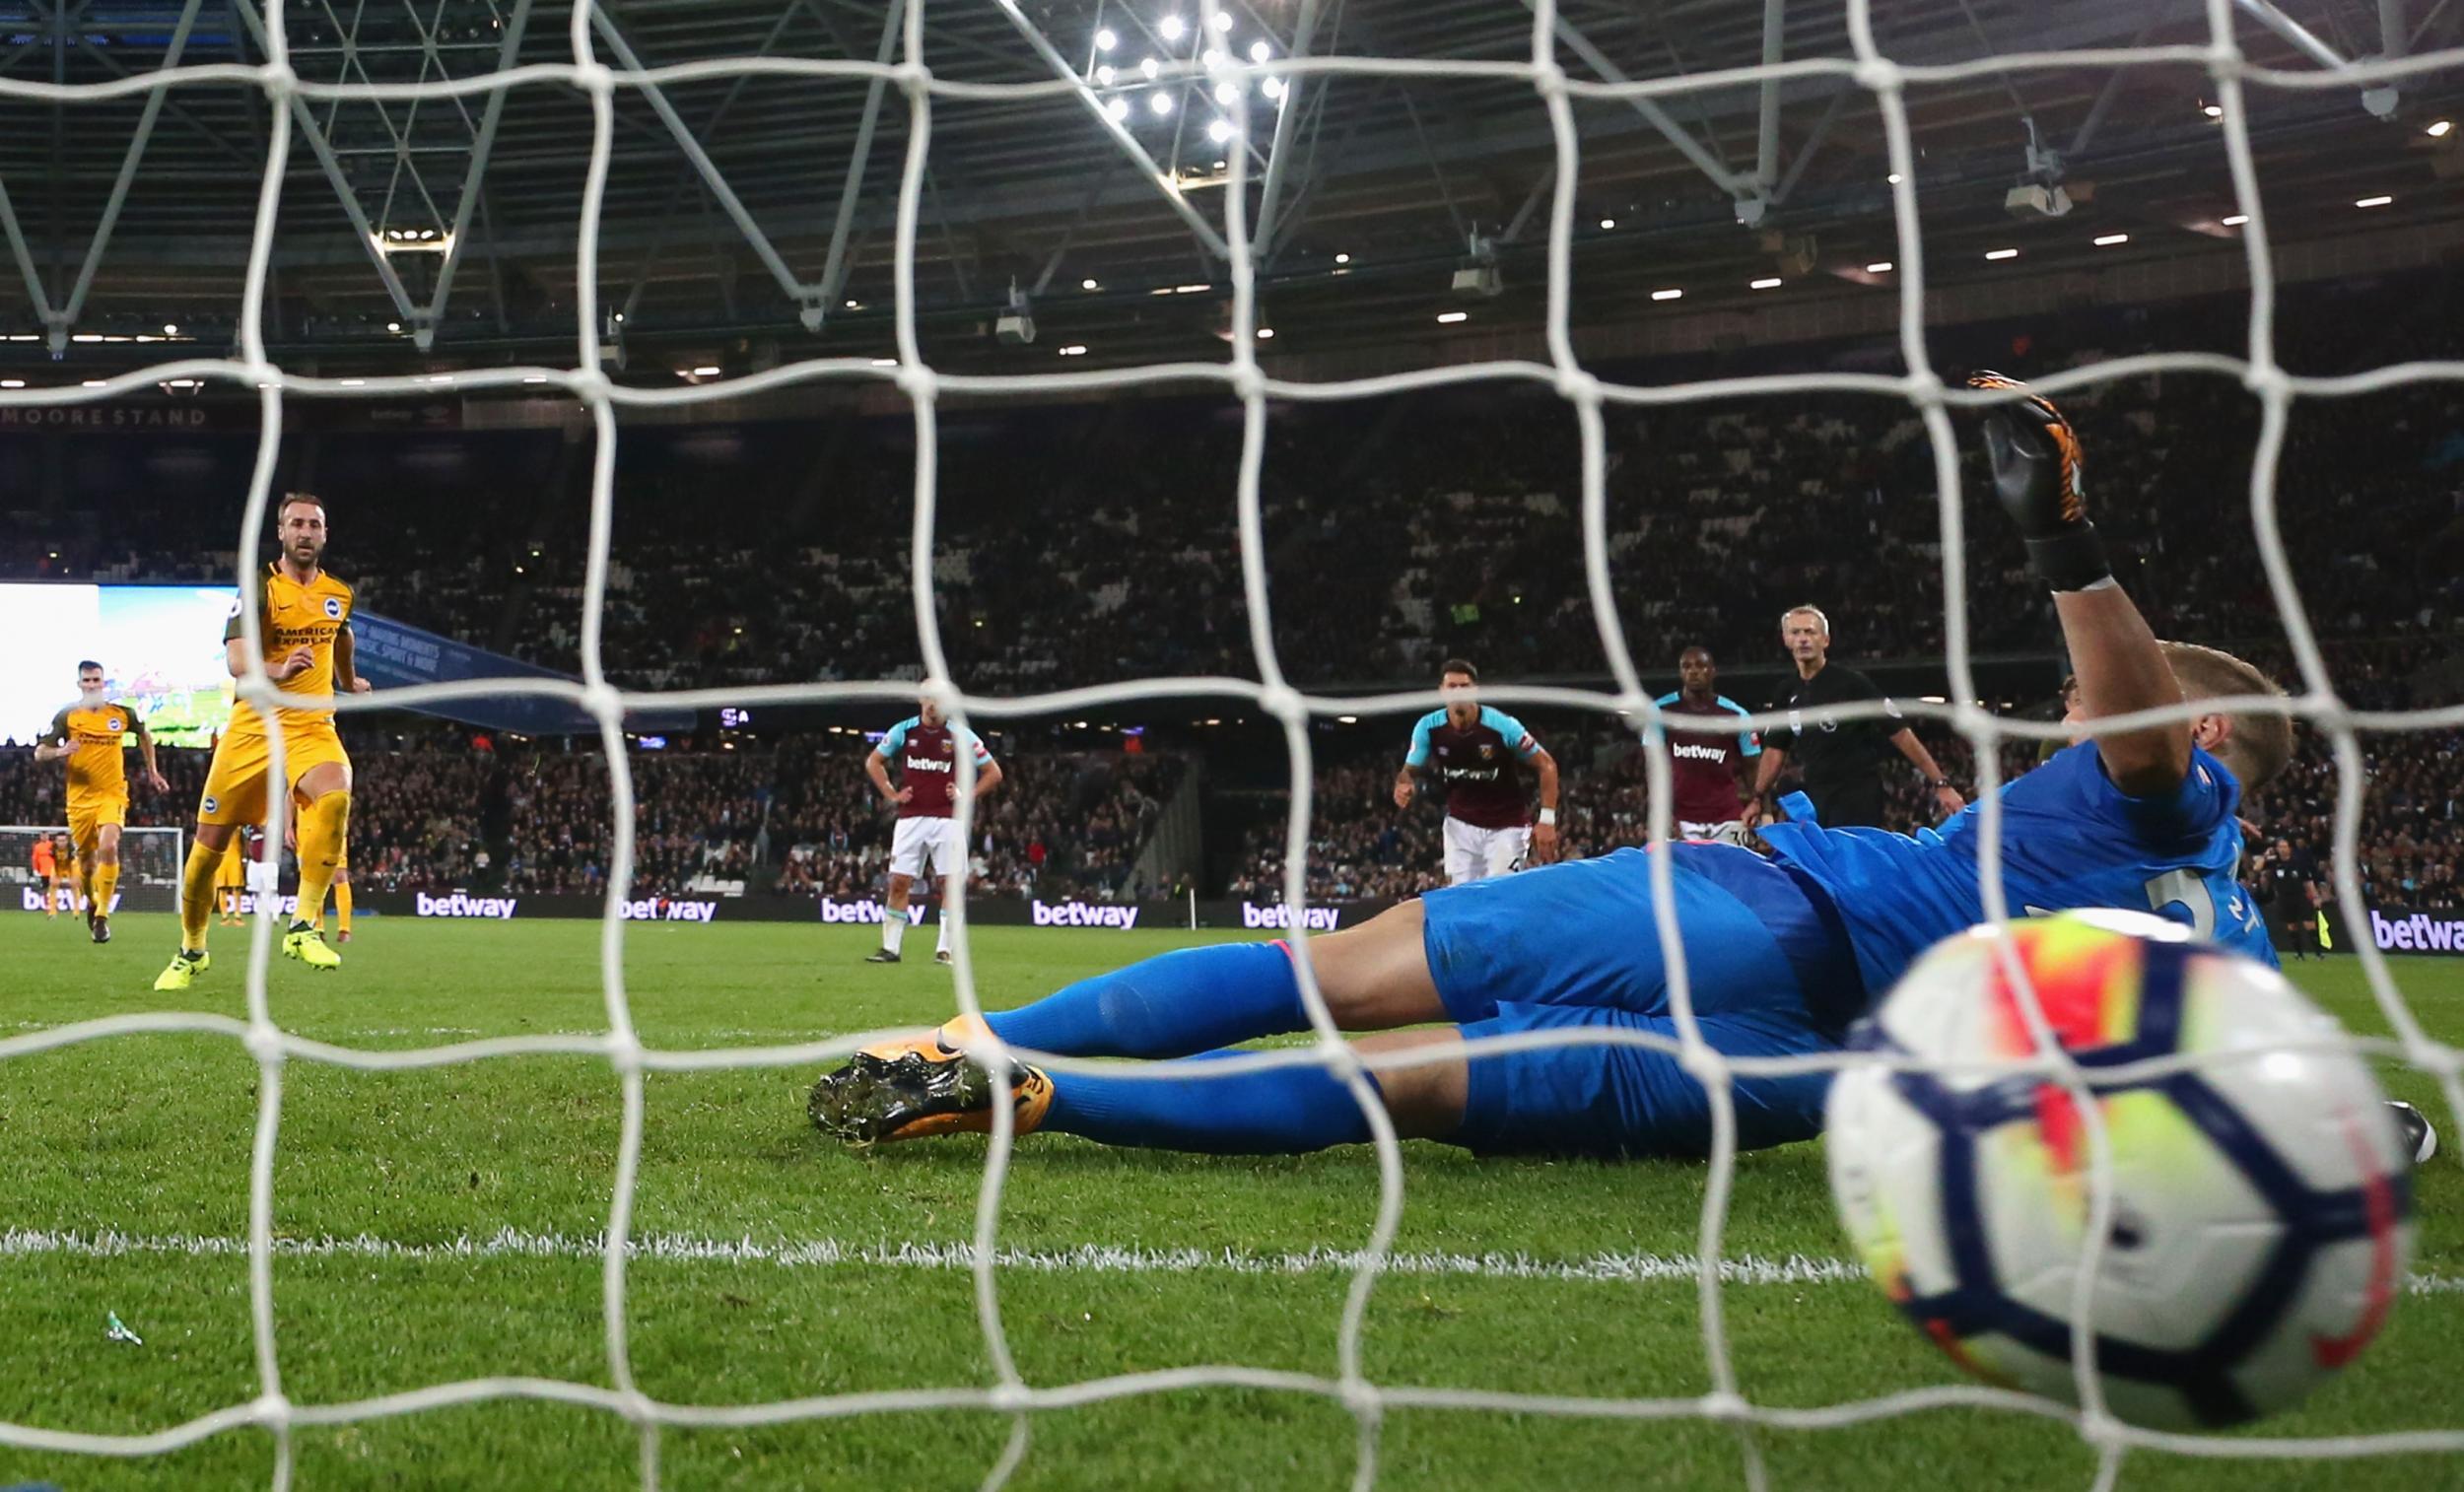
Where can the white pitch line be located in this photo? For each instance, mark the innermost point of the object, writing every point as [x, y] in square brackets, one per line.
[829, 1252]
[722, 1033]
[1091, 1258]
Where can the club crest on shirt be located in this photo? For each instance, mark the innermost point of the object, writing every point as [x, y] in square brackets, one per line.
[334, 607]
[1487, 751]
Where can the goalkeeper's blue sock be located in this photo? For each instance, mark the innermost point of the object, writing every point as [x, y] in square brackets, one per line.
[1174, 1005]
[1281, 1111]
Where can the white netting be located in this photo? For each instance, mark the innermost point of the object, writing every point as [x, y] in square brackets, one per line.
[1010, 1394]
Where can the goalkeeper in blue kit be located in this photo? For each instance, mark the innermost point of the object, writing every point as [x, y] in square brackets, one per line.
[1783, 949]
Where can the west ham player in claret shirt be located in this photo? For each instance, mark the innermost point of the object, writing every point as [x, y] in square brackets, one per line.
[1479, 753]
[1707, 760]
[926, 749]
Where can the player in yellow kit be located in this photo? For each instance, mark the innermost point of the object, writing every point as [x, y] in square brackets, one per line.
[342, 897]
[306, 615]
[64, 876]
[342, 891]
[91, 735]
[230, 880]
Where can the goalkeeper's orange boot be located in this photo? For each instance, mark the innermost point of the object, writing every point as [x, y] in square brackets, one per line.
[876, 1098]
[941, 1045]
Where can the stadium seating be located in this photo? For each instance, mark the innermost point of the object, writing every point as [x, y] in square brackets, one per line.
[1399, 531]
[443, 814]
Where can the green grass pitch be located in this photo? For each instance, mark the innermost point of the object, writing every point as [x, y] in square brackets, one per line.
[145, 1138]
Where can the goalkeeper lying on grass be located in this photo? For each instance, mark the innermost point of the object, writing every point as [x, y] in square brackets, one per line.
[1784, 949]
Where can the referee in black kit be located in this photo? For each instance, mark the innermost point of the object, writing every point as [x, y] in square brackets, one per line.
[1839, 756]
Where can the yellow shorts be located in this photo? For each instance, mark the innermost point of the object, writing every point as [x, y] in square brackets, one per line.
[235, 785]
[87, 816]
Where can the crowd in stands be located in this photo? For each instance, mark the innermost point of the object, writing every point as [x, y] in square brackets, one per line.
[1092, 543]
[1060, 824]
[1360, 844]
[432, 813]
[2410, 835]
[438, 811]
[1097, 542]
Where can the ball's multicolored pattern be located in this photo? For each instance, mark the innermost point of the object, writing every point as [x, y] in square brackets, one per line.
[2260, 1216]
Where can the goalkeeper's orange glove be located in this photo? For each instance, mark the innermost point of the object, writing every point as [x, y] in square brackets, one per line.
[2037, 475]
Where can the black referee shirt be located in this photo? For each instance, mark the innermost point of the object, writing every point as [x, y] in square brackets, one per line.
[1840, 759]
[2287, 890]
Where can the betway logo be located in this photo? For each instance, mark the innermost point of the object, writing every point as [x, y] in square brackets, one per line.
[1277, 915]
[1083, 915]
[458, 905]
[1700, 753]
[655, 910]
[33, 899]
[865, 910]
[2418, 933]
[930, 763]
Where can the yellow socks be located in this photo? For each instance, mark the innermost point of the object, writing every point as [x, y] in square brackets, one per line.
[196, 894]
[322, 824]
[342, 905]
[106, 881]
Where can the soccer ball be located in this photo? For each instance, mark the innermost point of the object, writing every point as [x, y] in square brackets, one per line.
[2261, 1204]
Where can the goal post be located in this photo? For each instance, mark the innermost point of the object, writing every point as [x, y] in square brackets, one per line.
[150, 864]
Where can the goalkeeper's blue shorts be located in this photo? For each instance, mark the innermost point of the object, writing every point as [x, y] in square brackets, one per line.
[1575, 947]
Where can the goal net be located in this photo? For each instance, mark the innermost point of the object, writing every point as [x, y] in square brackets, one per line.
[1558, 86]
[150, 862]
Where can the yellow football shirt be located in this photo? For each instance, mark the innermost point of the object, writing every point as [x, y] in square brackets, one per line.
[97, 737]
[293, 614]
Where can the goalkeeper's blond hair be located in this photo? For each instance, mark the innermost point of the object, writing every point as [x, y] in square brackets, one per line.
[2261, 740]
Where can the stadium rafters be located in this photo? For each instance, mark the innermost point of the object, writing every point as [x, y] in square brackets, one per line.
[748, 216]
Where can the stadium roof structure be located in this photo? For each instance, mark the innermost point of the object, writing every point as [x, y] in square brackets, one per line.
[750, 220]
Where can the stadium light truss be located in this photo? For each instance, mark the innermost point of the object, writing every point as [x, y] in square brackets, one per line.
[414, 241]
[1009, 1395]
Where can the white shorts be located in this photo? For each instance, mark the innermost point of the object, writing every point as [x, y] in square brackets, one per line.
[1473, 852]
[1730, 832]
[264, 879]
[921, 839]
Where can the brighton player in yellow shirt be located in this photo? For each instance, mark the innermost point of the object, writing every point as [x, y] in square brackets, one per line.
[91, 735]
[64, 876]
[230, 880]
[305, 614]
